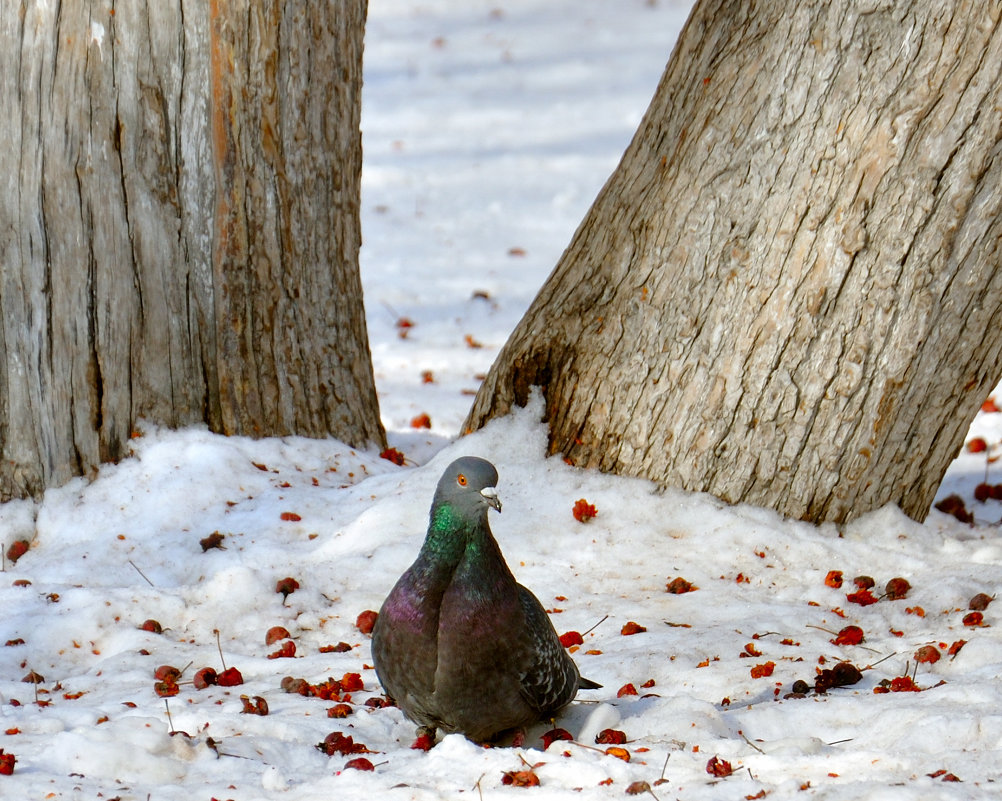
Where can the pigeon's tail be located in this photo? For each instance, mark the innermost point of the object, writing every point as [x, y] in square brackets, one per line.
[588, 684]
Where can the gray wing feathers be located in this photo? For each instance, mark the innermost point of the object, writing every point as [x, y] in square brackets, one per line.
[550, 679]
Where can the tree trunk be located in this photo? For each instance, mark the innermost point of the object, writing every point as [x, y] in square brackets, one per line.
[788, 292]
[179, 226]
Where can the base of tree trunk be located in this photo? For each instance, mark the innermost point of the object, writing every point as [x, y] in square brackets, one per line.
[787, 293]
[182, 227]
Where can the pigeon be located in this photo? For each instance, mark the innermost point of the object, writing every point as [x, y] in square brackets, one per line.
[459, 645]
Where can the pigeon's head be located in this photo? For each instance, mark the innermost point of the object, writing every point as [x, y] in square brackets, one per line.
[468, 485]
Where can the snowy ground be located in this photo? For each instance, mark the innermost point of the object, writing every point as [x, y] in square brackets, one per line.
[489, 126]
[488, 130]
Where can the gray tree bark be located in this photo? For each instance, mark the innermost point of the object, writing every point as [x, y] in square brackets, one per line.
[179, 227]
[788, 292]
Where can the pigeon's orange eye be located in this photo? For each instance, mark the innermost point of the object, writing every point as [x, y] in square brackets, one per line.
[461, 480]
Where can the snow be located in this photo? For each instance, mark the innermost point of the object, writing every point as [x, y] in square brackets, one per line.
[488, 127]
[488, 130]
[97, 34]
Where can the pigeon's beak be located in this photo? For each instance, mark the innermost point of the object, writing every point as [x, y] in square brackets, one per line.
[491, 496]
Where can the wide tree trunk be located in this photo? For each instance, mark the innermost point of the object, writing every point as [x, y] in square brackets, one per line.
[788, 292]
[179, 226]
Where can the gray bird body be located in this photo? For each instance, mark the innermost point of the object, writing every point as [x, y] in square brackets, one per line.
[459, 644]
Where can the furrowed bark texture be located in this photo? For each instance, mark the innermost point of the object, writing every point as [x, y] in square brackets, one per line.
[179, 226]
[788, 292]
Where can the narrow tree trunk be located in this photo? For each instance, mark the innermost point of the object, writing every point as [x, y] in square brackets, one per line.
[179, 226]
[788, 292]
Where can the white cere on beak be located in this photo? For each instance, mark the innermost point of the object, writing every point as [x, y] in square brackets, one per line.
[491, 496]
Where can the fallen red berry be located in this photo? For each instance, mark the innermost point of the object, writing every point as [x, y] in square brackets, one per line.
[610, 737]
[904, 684]
[850, 635]
[379, 702]
[570, 638]
[214, 540]
[229, 678]
[166, 688]
[393, 455]
[719, 767]
[862, 597]
[583, 511]
[750, 650]
[678, 586]
[927, 653]
[366, 620]
[842, 675]
[276, 633]
[845, 673]
[553, 735]
[329, 690]
[763, 670]
[897, 588]
[520, 778]
[339, 743]
[619, 753]
[205, 677]
[286, 586]
[152, 625]
[295, 686]
[834, 579]
[359, 763]
[954, 505]
[166, 672]
[336, 743]
[424, 742]
[351, 682]
[287, 651]
[254, 706]
[17, 549]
